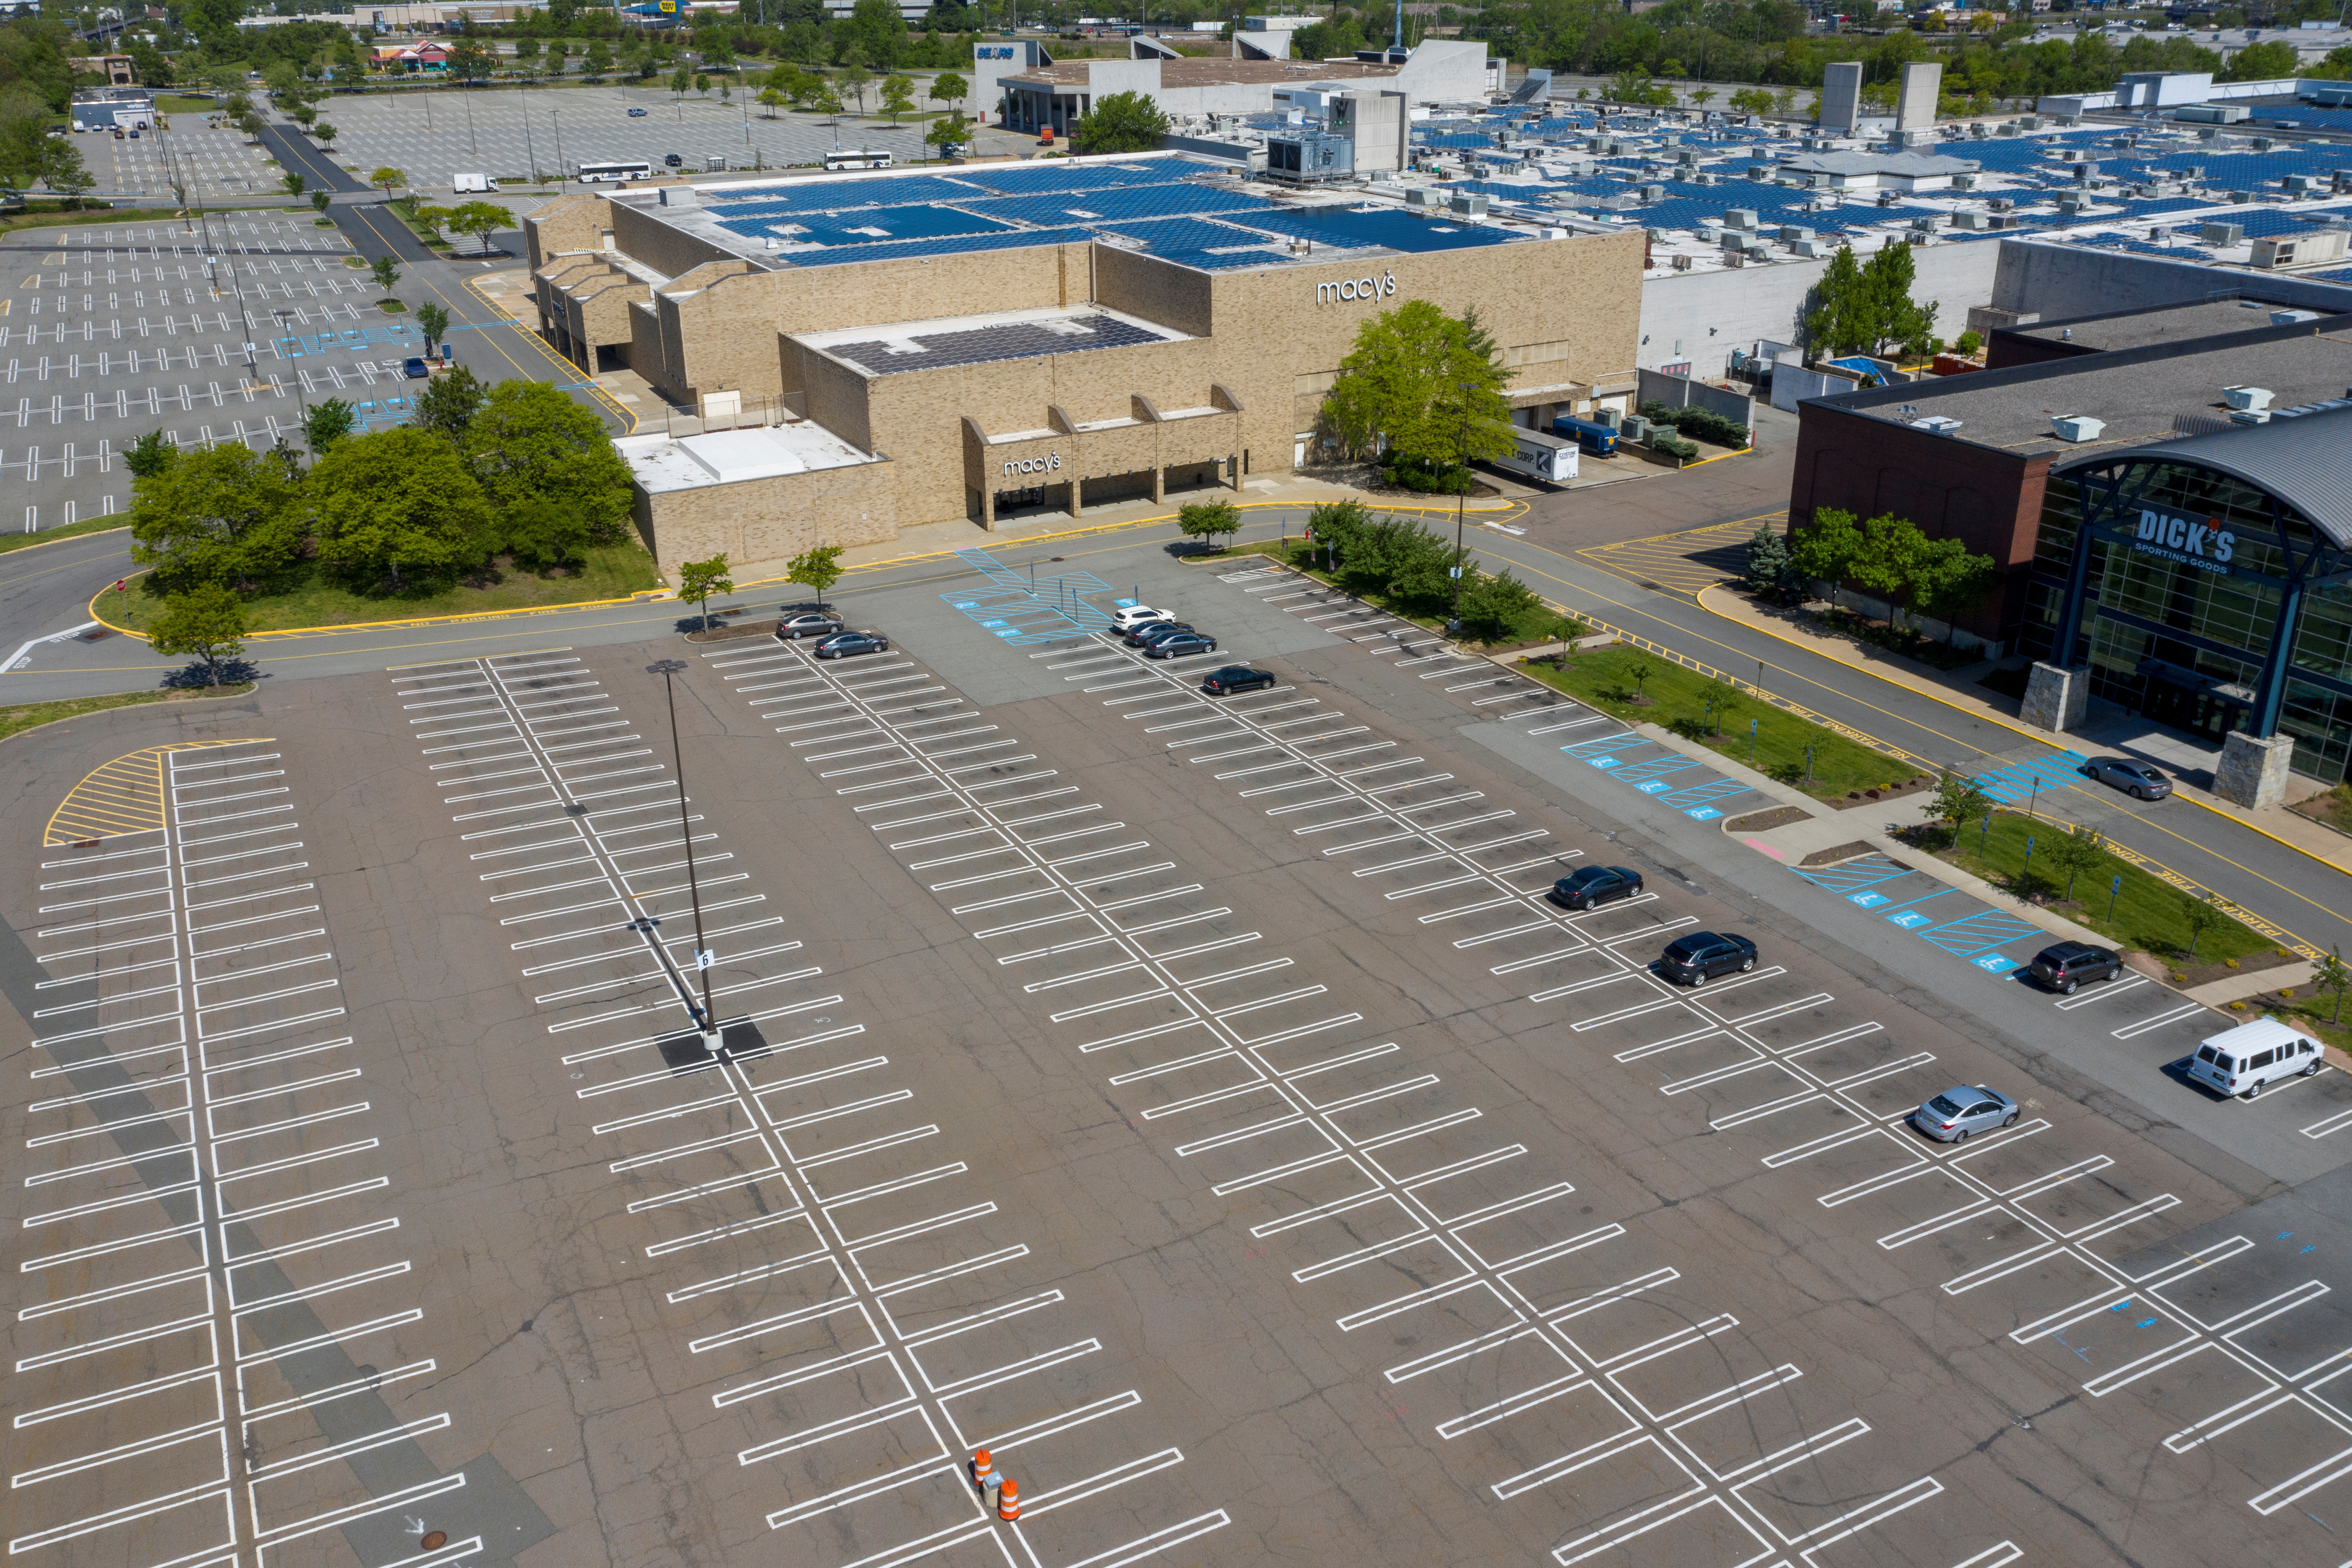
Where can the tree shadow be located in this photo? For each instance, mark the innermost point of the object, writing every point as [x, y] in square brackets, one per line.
[197, 676]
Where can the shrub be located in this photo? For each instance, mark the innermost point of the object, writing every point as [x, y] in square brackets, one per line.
[1672, 446]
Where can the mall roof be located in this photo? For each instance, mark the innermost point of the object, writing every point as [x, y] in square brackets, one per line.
[2164, 324]
[2304, 460]
[1195, 71]
[982, 339]
[1908, 165]
[2140, 394]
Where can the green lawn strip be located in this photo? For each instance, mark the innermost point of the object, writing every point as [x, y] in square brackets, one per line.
[610, 572]
[9, 225]
[1604, 680]
[31, 715]
[2147, 911]
[1533, 625]
[68, 531]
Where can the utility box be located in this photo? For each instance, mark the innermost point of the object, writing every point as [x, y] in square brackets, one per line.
[2076, 427]
[2300, 249]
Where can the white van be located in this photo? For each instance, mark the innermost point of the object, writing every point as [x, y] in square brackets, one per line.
[464, 185]
[2242, 1060]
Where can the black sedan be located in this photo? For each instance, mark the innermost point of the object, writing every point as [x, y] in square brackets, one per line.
[807, 624]
[1595, 886]
[1701, 956]
[2135, 778]
[1150, 631]
[1181, 645]
[2067, 966]
[842, 645]
[1236, 678]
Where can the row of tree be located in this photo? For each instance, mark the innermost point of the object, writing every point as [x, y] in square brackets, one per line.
[1412, 567]
[1887, 557]
[515, 472]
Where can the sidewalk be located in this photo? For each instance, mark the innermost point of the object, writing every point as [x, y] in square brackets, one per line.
[2296, 833]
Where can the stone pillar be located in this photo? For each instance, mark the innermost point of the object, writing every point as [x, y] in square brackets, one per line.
[1234, 472]
[988, 508]
[2251, 773]
[2055, 697]
[1078, 498]
[1159, 483]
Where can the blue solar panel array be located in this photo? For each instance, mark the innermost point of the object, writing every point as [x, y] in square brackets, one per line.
[1111, 203]
[1008, 239]
[1392, 228]
[856, 227]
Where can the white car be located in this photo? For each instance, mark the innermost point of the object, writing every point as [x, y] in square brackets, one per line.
[2242, 1060]
[1134, 616]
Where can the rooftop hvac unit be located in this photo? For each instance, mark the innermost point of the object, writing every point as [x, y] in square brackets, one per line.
[1467, 204]
[1613, 418]
[2222, 233]
[2077, 426]
[1418, 196]
[1812, 249]
[1742, 218]
[2239, 198]
[1928, 224]
[1937, 425]
[1968, 220]
[2072, 201]
[2001, 203]
[1793, 231]
[1760, 173]
[1654, 193]
[1635, 428]
[2264, 143]
[1708, 233]
[2288, 318]
[1682, 263]
[1964, 182]
[2250, 416]
[2247, 397]
[2301, 184]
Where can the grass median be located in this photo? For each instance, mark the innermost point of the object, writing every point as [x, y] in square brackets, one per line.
[607, 572]
[2130, 907]
[66, 530]
[1636, 687]
[27, 716]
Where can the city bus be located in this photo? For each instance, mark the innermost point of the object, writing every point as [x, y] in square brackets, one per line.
[856, 158]
[600, 173]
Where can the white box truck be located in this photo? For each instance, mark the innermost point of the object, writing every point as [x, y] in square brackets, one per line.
[1551, 458]
[468, 184]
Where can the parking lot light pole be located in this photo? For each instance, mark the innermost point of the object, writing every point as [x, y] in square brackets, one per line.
[1460, 498]
[667, 668]
[305, 390]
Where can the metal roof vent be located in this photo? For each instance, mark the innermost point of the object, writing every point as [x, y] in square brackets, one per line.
[2076, 427]
[1937, 425]
[2247, 397]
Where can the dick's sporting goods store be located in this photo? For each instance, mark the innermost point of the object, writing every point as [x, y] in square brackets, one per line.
[2207, 583]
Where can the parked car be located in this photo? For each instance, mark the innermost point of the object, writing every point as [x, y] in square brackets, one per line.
[1183, 645]
[414, 367]
[807, 624]
[1150, 631]
[1236, 678]
[636, 114]
[672, 161]
[2070, 966]
[1695, 959]
[2247, 1059]
[843, 645]
[1952, 1116]
[2135, 778]
[1594, 885]
[1135, 615]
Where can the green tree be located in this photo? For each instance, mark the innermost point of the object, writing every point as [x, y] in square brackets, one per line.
[478, 219]
[950, 89]
[295, 183]
[1895, 318]
[699, 580]
[447, 404]
[1828, 547]
[541, 535]
[1950, 582]
[1494, 604]
[2200, 916]
[943, 133]
[2332, 973]
[2073, 854]
[897, 96]
[1960, 799]
[1837, 321]
[325, 133]
[1768, 568]
[597, 62]
[222, 515]
[1121, 122]
[328, 423]
[321, 201]
[2336, 67]
[530, 441]
[1752, 100]
[149, 455]
[818, 568]
[1417, 385]
[207, 622]
[1208, 519]
[856, 81]
[1632, 85]
[397, 508]
[386, 178]
[385, 272]
[1888, 564]
[2263, 62]
[434, 323]
[877, 31]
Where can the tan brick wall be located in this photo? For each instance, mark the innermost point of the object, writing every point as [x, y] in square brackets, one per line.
[661, 245]
[763, 523]
[567, 223]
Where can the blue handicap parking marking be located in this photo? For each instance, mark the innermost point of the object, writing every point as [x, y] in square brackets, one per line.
[1126, 604]
[1702, 813]
[1994, 962]
[1910, 919]
[1652, 787]
[1868, 900]
[1979, 932]
[2014, 782]
[1604, 761]
[1715, 789]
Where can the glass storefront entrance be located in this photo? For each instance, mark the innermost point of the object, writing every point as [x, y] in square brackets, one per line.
[2206, 713]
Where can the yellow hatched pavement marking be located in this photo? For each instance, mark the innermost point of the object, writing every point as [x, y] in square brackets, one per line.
[125, 796]
[1683, 563]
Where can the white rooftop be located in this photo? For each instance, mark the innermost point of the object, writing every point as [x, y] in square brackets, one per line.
[731, 457]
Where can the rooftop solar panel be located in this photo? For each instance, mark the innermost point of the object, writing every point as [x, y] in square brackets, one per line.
[1038, 179]
[834, 196]
[953, 245]
[1112, 203]
[1339, 226]
[1003, 340]
[867, 225]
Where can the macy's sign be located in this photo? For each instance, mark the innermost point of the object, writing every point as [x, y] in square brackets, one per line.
[1356, 288]
[1044, 465]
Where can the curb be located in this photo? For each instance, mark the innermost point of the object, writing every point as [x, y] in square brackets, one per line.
[2039, 737]
[650, 596]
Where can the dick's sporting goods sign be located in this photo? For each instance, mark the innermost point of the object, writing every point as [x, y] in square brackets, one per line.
[2205, 545]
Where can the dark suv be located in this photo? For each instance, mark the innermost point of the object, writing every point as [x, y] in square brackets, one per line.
[1595, 886]
[2070, 964]
[1701, 956]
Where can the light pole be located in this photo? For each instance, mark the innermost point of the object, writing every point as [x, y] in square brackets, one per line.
[558, 127]
[667, 668]
[1460, 498]
[304, 388]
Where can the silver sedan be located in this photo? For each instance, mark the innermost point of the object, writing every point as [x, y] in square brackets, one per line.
[2135, 778]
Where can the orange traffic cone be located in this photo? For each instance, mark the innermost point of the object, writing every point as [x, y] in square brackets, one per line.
[1008, 1501]
[982, 1467]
